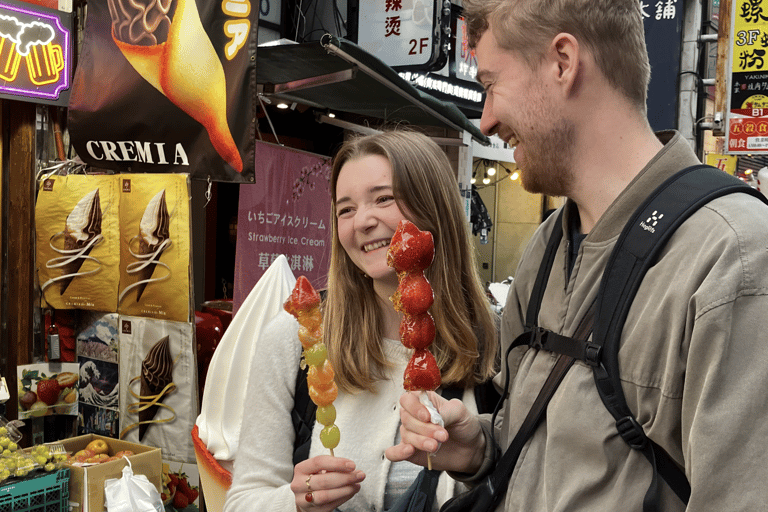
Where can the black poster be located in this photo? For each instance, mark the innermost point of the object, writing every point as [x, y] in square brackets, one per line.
[167, 86]
[663, 35]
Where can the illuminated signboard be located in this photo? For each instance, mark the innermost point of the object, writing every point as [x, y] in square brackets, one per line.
[35, 53]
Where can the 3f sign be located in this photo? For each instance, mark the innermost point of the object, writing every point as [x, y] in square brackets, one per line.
[746, 37]
[421, 43]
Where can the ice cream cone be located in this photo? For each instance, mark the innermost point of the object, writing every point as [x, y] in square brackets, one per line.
[82, 227]
[154, 233]
[186, 69]
[156, 375]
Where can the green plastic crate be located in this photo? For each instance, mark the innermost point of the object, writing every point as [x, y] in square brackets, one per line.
[47, 492]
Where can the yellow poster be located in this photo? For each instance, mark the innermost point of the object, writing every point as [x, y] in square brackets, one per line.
[78, 237]
[154, 246]
[725, 162]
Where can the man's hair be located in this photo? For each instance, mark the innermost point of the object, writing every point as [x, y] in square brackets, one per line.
[611, 30]
[425, 188]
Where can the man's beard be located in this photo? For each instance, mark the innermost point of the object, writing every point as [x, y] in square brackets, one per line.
[548, 157]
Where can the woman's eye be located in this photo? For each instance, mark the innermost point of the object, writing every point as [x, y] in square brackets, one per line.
[343, 211]
[385, 199]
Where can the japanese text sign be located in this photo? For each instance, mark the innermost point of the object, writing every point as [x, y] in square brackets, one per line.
[747, 119]
[35, 53]
[287, 211]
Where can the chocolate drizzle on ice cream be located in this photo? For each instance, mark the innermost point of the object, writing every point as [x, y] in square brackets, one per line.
[141, 23]
[156, 375]
[82, 231]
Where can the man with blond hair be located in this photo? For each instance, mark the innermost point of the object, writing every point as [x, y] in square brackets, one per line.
[566, 84]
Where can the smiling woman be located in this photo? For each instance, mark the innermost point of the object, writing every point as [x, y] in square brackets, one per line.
[376, 182]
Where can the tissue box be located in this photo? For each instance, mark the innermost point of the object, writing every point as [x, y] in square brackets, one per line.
[86, 484]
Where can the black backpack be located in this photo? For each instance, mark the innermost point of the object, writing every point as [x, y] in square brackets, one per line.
[636, 250]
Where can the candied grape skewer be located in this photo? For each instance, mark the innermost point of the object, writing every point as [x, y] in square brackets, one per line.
[304, 305]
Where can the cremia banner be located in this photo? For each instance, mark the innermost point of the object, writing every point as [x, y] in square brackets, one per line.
[165, 86]
[286, 212]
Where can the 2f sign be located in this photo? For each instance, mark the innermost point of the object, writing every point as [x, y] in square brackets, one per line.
[420, 43]
[746, 37]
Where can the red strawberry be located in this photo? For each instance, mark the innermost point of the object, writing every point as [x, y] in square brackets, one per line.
[410, 250]
[174, 478]
[192, 494]
[303, 298]
[48, 391]
[414, 295]
[422, 373]
[180, 501]
[183, 486]
[417, 331]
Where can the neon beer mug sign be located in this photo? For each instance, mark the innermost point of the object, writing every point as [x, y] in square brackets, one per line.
[34, 53]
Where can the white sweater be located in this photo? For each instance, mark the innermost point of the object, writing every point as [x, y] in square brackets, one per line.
[368, 423]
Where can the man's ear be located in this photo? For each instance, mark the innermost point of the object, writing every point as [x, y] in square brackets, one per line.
[565, 53]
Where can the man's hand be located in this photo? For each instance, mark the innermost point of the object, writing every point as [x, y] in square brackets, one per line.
[457, 447]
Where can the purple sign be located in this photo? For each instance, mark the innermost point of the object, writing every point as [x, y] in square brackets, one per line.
[286, 211]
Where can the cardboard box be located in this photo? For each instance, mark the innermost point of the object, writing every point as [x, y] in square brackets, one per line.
[86, 484]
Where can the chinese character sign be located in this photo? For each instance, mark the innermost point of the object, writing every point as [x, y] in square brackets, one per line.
[287, 211]
[748, 97]
[402, 32]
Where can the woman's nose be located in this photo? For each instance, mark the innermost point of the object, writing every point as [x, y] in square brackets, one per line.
[364, 219]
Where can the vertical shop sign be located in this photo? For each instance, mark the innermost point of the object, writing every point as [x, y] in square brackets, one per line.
[747, 119]
[405, 33]
[286, 212]
[167, 87]
[662, 20]
[35, 53]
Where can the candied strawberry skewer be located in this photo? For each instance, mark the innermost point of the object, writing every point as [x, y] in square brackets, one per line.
[410, 252]
[304, 304]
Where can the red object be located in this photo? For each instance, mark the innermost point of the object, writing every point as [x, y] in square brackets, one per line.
[411, 250]
[208, 333]
[422, 373]
[309, 497]
[48, 391]
[303, 298]
[417, 331]
[414, 294]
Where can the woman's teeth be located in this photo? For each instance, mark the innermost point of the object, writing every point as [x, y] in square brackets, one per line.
[375, 245]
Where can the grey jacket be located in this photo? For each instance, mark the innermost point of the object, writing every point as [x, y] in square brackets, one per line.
[693, 362]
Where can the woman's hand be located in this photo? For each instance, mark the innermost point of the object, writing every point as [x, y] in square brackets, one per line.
[323, 483]
[463, 441]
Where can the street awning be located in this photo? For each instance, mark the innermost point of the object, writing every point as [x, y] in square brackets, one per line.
[337, 75]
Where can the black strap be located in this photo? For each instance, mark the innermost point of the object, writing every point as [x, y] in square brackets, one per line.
[506, 464]
[636, 251]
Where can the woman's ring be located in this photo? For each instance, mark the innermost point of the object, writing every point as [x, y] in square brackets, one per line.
[309, 487]
[309, 497]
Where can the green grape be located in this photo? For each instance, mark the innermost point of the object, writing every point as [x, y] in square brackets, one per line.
[326, 415]
[316, 354]
[330, 436]
[3, 431]
[50, 466]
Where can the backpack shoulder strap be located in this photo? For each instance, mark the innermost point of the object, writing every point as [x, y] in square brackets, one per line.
[640, 242]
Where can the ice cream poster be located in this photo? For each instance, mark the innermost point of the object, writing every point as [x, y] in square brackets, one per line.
[46, 389]
[158, 385]
[179, 97]
[154, 246]
[77, 240]
[287, 211]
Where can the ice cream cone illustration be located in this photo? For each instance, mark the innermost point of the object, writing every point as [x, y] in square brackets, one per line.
[166, 44]
[156, 376]
[154, 239]
[81, 233]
